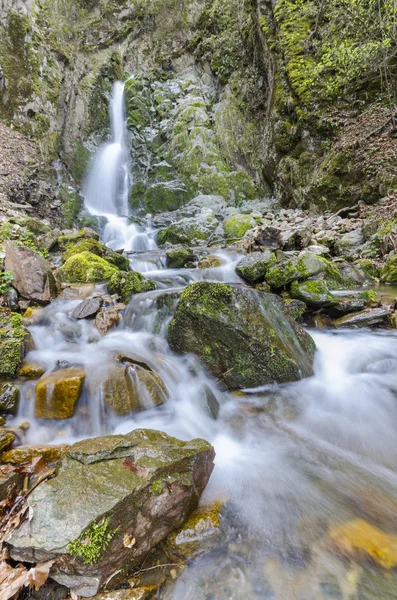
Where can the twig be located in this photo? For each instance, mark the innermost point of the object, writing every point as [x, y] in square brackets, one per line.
[157, 567]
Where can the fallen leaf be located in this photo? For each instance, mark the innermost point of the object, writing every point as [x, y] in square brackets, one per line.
[129, 541]
[130, 465]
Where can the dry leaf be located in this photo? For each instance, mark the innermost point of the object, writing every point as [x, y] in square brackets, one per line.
[130, 465]
[13, 579]
[129, 541]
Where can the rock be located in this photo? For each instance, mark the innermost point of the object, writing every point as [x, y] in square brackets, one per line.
[365, 318]
[9, 398]
[86, 267]
[369, 267]
[189, 230]
[112, 500]
[107, 319]
[56, 393]
[358, 540]
[6, 439]
[11, 484]
[345, 307]
[177, 257]
[87, 308]
[254, 267]
[30, 370]
[299, 267]
[76, 292]
[297, 239]
[199, 534]
[349, 242]
[236, 226]
[314, 293]
[210, 403]
[32, 274]
[242, 336]
[210, 262]
[14, 342]
[141, 593]
[128, 284]
[318, 250]
[295, 309]
[389, 272]
[268, 237]
[71, 239]
[25, 454]
[133, 388]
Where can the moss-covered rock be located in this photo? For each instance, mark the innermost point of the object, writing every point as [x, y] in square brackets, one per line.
[86, 267]
[93, 246]
[254, 268]
[9, 398]
[295, 309]
[369, 267]
[6, 439]
[189, 231]
[236, 226]
[161, 197]
[297, 268]
[177, 257]
[56, 393]
[25, 454]
[13, 341]
[314, 293]
[30, 370]
[241, 336]
[388, 273]
[70, 240]
[127, 284]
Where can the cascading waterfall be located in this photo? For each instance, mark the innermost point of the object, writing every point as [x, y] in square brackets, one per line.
[107, 186]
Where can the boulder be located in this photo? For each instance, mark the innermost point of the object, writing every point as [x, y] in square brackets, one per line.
[57, 392]
[295, 309]
[177, 257]
[128, 284]
[70, 239]
[254, 267]
[314, 293]
[6, 439]
[14, 342]
[243, 337]
[210, 262]
[365, 318]
[132, 388]
[350, 242]
[296, 268]
[269, 237]
[86, 267]
[236, 226]
[30, 370]
[87, 308]
[32, 274]
[112, 500]
[107, 319]
[9, 398]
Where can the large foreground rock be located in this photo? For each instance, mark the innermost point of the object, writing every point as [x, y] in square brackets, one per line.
[243, 337]
[113, 499]
[32, 274]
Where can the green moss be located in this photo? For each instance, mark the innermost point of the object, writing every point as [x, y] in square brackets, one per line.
[236, 226]
[157, 487]
[164, 197]
[313, 293]
[86, 267]
[92, 542]
[65, 242]
[369, 267]
[128, 284]
[178, 257]
[12, 342]
[84, 245]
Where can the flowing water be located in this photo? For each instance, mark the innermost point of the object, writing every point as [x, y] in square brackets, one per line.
[291, 460]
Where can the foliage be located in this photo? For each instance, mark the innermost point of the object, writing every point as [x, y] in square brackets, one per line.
[91, 543]
[6, 279]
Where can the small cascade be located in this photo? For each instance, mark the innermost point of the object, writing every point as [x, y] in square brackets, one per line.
[107, 186]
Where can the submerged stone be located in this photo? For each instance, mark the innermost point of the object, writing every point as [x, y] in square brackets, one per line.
[242, 337]
[210, 262]
[56, 393]
[113, 499]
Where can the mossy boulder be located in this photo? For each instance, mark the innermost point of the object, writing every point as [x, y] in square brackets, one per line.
[86, 267]
[56, 393]
[9, 398]
[6, 439]
[128, 284]
[177, 257]
[242, 337]
[93, 246]
[14, 339]
[30, 370]
[236, 226]
[25, 454]
[297, 268]
[314, 293]
[254, 268]
[188, 231]
[132, 388]
[162, 197]
[64, 241]
[112, 500]
[369, 267]
[389, 272]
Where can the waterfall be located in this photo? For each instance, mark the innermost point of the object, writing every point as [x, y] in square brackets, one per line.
[106, 189]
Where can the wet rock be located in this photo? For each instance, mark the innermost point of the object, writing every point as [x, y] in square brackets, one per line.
[86, 267]
[242, 337]
[345, 307]
[189, 230]
[133, 388]
[32, 274]
[10, 484]
[128, 284]
[177, 257]
[9, 398]
[107, 319]
[389, 272]
[25, 454]
[198, 534]
[369, 267]
[210, 403]
[360, 541]
[365, 318]
[254, 267]
[87, 308]
[30, 370]
[295, 309]
[314, 293]
[297, 268]
[113, 499]
[269, 237]
[210, 262]
[6, 439]
[14, 342]
[56, 393]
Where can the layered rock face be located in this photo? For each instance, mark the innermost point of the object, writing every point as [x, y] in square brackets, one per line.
[112, 500]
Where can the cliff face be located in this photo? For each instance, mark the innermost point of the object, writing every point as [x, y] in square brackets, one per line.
[242, 99]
